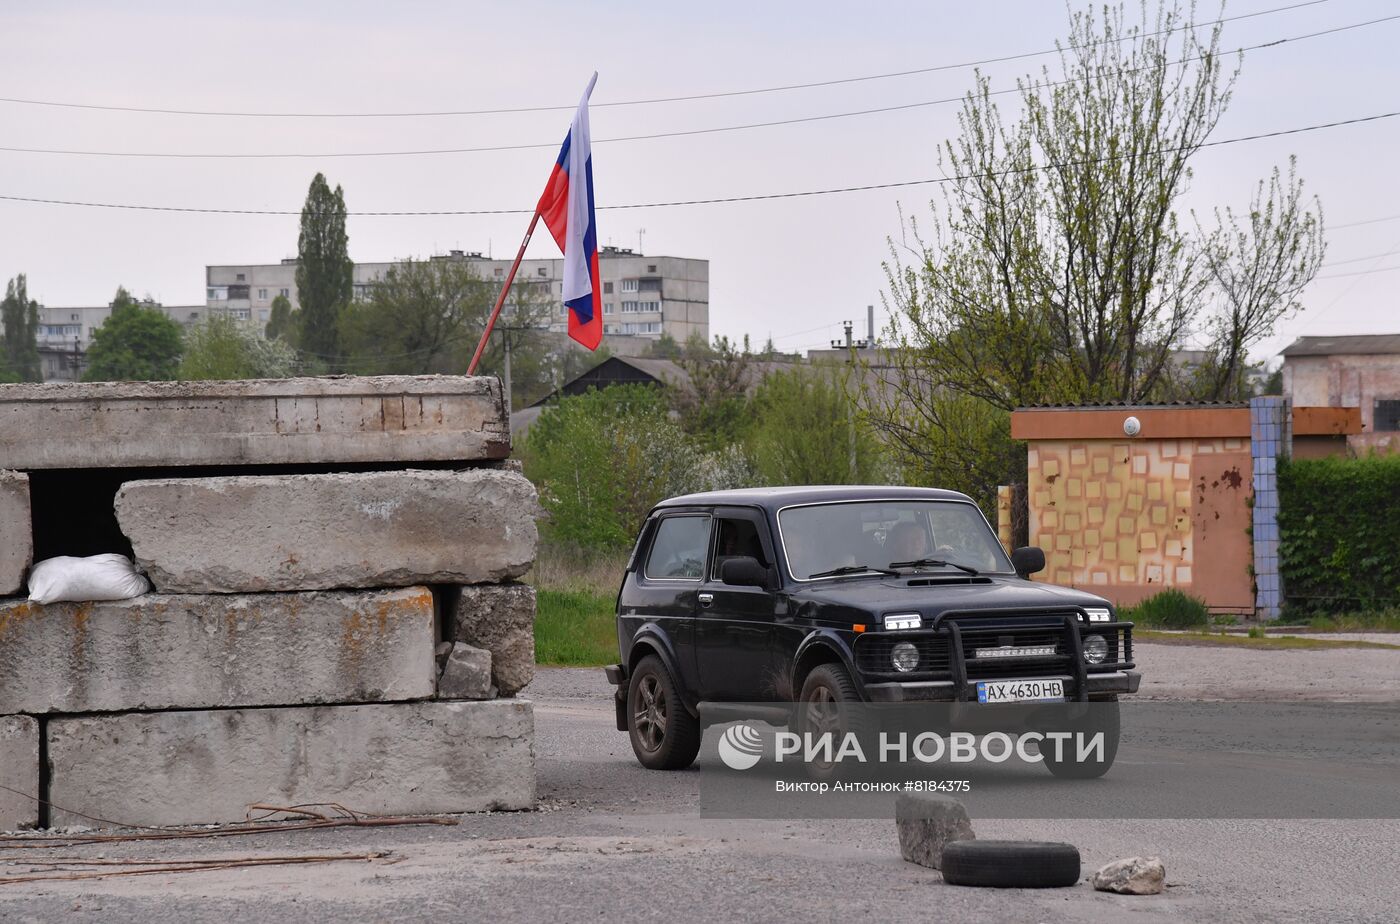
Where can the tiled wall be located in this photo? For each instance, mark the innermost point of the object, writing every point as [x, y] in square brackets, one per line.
[1270, 425]
[1125, 518]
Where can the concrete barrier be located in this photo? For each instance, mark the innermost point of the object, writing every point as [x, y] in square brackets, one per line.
[190, 651]
[16, 537]
[169, 768]
[339, 420]
[501, 619]
[301, 532]
[19, 771]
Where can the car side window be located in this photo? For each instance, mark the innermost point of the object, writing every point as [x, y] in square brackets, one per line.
[735, 539]
[678, 551]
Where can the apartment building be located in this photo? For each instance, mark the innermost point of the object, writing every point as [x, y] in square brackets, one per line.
[643, 296]
[65, 333]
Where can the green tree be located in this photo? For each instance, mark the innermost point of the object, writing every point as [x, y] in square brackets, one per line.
[19, 360]
[137, 342]
[523, 329]
[803, 429]
[324, 275]
[712, 403]
[222, 348]
[1058, 269]
[280, 324]
[603, 459]
[415, 318]
[666, 347]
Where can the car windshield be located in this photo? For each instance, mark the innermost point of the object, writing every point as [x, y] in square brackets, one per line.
[836, 537]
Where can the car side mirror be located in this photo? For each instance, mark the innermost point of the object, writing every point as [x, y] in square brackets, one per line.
[1028, 560]
[743, 571]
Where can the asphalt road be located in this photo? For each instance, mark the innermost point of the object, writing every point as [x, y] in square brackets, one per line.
[613, 842]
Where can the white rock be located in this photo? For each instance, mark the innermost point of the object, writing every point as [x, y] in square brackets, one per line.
[1132, 876]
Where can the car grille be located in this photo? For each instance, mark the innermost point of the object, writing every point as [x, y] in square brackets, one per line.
[874, 650]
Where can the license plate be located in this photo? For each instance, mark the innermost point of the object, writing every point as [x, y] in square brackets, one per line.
[1020, 691]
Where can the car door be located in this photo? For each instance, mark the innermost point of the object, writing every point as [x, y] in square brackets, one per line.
[671, 574]
[734, 625]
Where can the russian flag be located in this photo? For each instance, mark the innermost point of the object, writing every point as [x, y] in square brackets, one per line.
[567, 209]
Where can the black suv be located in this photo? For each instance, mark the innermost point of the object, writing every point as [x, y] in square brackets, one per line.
[844, 594]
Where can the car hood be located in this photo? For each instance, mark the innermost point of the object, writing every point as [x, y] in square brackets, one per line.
[945, 594]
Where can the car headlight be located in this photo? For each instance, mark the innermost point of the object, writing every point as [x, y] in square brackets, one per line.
[905, 657]
[1098, 614]
[1095, 648]
[903, 621]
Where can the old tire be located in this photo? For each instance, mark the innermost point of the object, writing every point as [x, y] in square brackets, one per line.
[1010, 864]
[665, 736]
[1102, 717]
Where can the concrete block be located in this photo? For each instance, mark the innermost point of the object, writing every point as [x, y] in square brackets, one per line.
[251, 533]
[189, 651]
[501, 619]
[466, 674]
[198, 767]
[389, 418]
[19, 770]
[16, 534]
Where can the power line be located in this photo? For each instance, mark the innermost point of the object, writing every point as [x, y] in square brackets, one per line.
[1383, 269]
[772, 123]
[1368, 221]
[758, 197]
[647, 101]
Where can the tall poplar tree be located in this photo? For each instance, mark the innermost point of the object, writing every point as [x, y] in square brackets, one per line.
[20, 316]
[324, 272]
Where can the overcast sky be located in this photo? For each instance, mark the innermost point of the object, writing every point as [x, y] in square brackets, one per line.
[789, 268]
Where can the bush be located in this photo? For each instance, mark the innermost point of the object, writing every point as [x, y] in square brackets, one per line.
[1170, 609]
[602, 459]
[222, 348]
[1339, 533]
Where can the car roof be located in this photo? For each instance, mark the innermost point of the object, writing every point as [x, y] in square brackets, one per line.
[774, 498]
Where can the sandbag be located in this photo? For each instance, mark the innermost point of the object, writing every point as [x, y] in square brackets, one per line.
[98, 577]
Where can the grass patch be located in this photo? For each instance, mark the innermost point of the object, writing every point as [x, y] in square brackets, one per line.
[575, 628]
[1170, 609]
[1380, 621]
[1234, 640]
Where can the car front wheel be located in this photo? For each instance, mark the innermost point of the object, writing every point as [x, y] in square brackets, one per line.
[665, 736]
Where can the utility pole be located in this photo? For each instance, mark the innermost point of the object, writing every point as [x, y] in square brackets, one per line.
[851, 346]
[506, 340]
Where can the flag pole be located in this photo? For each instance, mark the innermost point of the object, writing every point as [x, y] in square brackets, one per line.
[501, 298]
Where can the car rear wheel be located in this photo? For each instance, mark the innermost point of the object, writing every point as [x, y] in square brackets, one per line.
[665, 736]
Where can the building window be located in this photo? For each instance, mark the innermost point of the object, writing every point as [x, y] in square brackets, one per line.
[241, 314]
[642, 327]
[630, 307]
[262, 295]
[1387, 416]
[607, 288]
[73, 317]
[650, 306]
[285, 293]
[542, 271]
[500, 271]
[607, 307]
[218, 294]
[629, 285]
[651, 268]
[242, 278]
